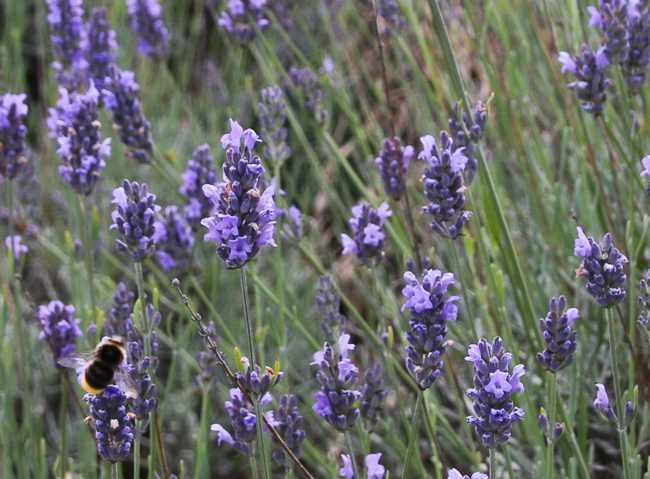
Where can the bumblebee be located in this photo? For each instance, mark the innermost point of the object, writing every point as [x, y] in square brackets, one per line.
[101, 367]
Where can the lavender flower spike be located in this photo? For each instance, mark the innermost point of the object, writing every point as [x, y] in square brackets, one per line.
[174, 240]
[237, 16]
[123, 301]
[146, 21]
[374, 394]
[303, 87]
[601, 403]
[374, 470]
[646, 170]
[244, 215]
[393, 162]
[328, 303]
[389, 11]
[60, 328]
[591, 83]
[455, 474]
[200, 171]
[15, 245]
[611, 18]
[113, 429]
[444, 185]
[272, 115]
[470, 141]
[368, 233]
[431, 308]
[492, 393]
[13, 112]
[635, 64]
[289, 423]
[99, 46]
[134, 218]
[121, 97]
[643, 302]
[559, 335]
[337, 375]
[75, 123]
[602, 267]
[66, 32]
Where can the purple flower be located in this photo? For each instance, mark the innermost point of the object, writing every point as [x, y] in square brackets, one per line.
[174, 240]
[271, 112]
[242, 17]
[643, 302]
[368, 234]
[602, 267]
[646, 170]
[288, 422]
[134, 219]
[303, 88]
[611, 18]
[66, 33]
[635, 64]
[431, 308]
[601, 403]
[60, 328]
[13, 112]
[200, 171]
[338, 376]
[255, 382]
[559, 335]
[99, 46]
[115, 322]
[469, 137]
[393, 162]
[244, 214]
[455, 474]
[492, 393]
[328, 303]
[591, 83]
[14, 244]
[374, 470]
[75, 124]
[242, 420]
[146, 21]
[347, 470]
[444, 185]
[389, 12]
[114, 431]
[121, 97]
[373, 394]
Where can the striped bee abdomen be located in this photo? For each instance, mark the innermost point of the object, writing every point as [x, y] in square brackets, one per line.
[99, 374]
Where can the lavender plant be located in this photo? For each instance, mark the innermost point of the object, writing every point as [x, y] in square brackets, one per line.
[289, 423]
[66, 34]
[120, 313]
[242, 18]
[455, 474]
[59, 328]
[99, 45]
[200, 171]
[374, 470]
[591, 82]
[368, 238]
[328, 303]
[611, 18]
[147, 23]
[174, 240]
[13, 112]
[16, 247]
[468, 134]
[303, 88]
[559, 335]
[393, 162]
[272, 114]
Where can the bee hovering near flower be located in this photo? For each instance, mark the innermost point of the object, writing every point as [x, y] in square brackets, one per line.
[100, 368]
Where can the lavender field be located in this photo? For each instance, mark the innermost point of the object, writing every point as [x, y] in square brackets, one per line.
[324, 238]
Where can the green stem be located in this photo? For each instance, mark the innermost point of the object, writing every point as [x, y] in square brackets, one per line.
[86, 222]
[620, 408]
[552, 398]
[493, 463]
[251, 349]
[63, 426]
[136, 456]
[413, 434]
[115, 473]
[279, 271]
[348, 440]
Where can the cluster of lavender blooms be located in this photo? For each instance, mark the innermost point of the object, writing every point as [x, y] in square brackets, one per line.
[141, 367]
[336, 401]
[16, 247]
[60, 327]
[431, 308]
[115, 322]
[393, 162]
[146, 21]
[288, 422]
[643, 302]
[244, 215]
[611, 18]
[374, 470]
[99, 45]
[66, 33]
[208, 364]
[367, 224]
[444, 185]
[455, 474]
[646, 170]
[242, 19]
[303, 88]
[373, 393]
[13, 111]
[559, 335]
[114, 431]
[389, 12]
[255, 382]
[174, 240]
[552, 433]
[292, 229]
[602, 405]
[492, 393]
[468, 134]
[602, 267]
[134, 219]
[121, 97]
[271, 112]
[200, 171]
[242, 420]
[591, 81]
[75, 124]
[328, 303]
[635, 65]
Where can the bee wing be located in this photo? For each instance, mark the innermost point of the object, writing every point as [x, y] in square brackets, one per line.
[126, 383]
[77, 361]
